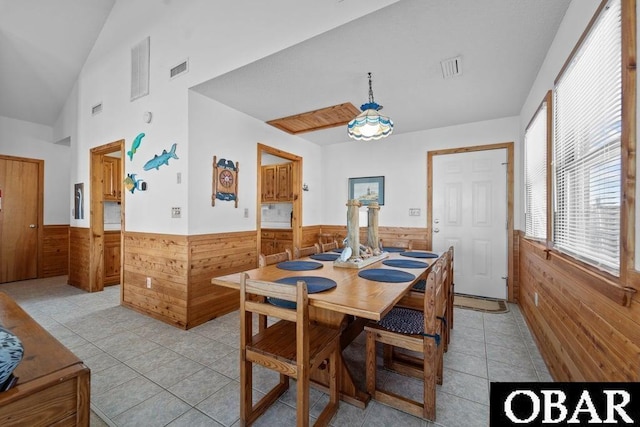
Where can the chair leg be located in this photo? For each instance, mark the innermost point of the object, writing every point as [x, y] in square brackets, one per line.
[387, 355]
[371, 364]
[246, 391]
[302, 398]
[334, 388]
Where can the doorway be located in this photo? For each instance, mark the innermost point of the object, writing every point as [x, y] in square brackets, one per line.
[470, 207]
[106, 246]
[280, 193]
[21, 218]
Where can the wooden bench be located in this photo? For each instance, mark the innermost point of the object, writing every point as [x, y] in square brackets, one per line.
[53, 384]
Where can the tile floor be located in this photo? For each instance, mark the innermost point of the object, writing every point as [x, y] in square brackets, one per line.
[147, 373]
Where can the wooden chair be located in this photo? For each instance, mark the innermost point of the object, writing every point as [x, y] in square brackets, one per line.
[264, 260]
[292, 346]
[400, 244]
[423, 332]
[309, 250]
[451, 294]
[326, 247]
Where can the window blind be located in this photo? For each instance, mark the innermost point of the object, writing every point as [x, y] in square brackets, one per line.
[587, 147]
[535, 175]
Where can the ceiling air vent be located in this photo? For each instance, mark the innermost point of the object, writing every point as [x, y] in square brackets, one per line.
[96, 109]
[451, 67]
[181, 68]
[140, 69]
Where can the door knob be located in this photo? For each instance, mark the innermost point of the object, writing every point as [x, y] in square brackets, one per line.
[436, 221]
[436, 230]
[32, 226]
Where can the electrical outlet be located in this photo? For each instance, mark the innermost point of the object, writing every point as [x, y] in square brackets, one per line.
[175, 212]
[148, 282]
[246, 212]
[535, 298]
[414, 212]
[179, 177]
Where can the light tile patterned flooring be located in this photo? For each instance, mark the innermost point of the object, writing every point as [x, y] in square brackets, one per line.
[147, 373]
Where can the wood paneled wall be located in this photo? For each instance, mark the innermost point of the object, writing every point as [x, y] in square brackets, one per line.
[55, 251]
[583, 334]
[392, 234]
[213, 255]
[310, 235]
[165, 259]
[79, 257]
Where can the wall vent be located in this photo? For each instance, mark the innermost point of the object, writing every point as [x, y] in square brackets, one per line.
[64, 141]
[179, 69]
[140, 69]
[451, 67]
[96, 109]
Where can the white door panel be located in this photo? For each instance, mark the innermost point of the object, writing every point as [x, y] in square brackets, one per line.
[470, 214]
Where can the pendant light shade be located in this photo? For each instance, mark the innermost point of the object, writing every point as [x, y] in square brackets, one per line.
[370, 124]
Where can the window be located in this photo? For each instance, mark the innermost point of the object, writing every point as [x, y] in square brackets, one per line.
[587, 146]
[535, 174]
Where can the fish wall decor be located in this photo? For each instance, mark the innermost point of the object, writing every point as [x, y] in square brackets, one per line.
[162, 159]
[134, 147]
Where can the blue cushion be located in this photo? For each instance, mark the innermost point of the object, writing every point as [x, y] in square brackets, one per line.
[328, 256]
[404, 321]
[420, 285]
[405, 263]
[420, 254]
[299, 265]
[386, 275]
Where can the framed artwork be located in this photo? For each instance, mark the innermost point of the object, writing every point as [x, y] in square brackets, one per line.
[78, 201]
[367, 189]
[225, 181]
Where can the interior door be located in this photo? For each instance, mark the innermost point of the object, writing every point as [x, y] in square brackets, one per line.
[470, 214]
[18, 220]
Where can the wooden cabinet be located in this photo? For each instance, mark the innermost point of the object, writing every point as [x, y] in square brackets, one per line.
[53, 384]
[277, 183]
[112, 185]
[111, 257]
[275, 241]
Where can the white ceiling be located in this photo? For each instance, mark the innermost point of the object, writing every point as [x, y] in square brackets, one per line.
[502, 44]
[44, 43]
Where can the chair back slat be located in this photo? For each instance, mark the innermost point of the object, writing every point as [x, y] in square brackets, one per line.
[264, 260]
[306, 251]
[326, 247]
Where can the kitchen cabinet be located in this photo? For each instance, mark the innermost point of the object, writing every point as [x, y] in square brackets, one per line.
[111, 258]
[112, 182]
[277, 183]
[275, 241]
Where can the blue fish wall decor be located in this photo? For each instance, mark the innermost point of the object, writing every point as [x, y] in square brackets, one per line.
[162, 159]
[135, 146]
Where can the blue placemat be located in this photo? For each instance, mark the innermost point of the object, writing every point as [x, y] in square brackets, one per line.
[338, 250]
[314, 283]
[420, 254]
[386, 275]
[299, 265]
[392, 249]
[328, 256]
[405, 263]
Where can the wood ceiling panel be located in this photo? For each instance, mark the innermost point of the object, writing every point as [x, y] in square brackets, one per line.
[324, 118]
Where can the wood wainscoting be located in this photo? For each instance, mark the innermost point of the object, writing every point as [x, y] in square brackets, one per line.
[79, 251]
[181, 269]
[583, 333]
[418, 236]
[55, 251]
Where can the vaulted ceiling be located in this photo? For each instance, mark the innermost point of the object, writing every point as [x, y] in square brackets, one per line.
[501, 43]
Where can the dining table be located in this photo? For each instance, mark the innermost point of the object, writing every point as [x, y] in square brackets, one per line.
[351, 301]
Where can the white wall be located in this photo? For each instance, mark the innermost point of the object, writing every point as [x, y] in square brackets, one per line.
[25, 139]
[215, 38]
[237, 140]
[402, 159]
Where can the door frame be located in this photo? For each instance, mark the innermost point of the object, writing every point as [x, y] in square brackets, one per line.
[296, 182]
[40, 213]
[96, 215]
[510, 188]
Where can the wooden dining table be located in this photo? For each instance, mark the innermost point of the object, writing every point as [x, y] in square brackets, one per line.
[348, 306]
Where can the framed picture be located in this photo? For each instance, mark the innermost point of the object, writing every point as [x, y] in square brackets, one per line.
[368, 189]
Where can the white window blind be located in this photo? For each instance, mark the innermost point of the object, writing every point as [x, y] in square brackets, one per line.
[535, 175]
[587, 153]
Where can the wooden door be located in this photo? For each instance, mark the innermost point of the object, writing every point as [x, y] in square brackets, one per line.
[19, 219]
[283, 185]
[470, 214]
[268, 183]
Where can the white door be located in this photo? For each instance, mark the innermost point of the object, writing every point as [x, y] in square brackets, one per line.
[470, 214]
